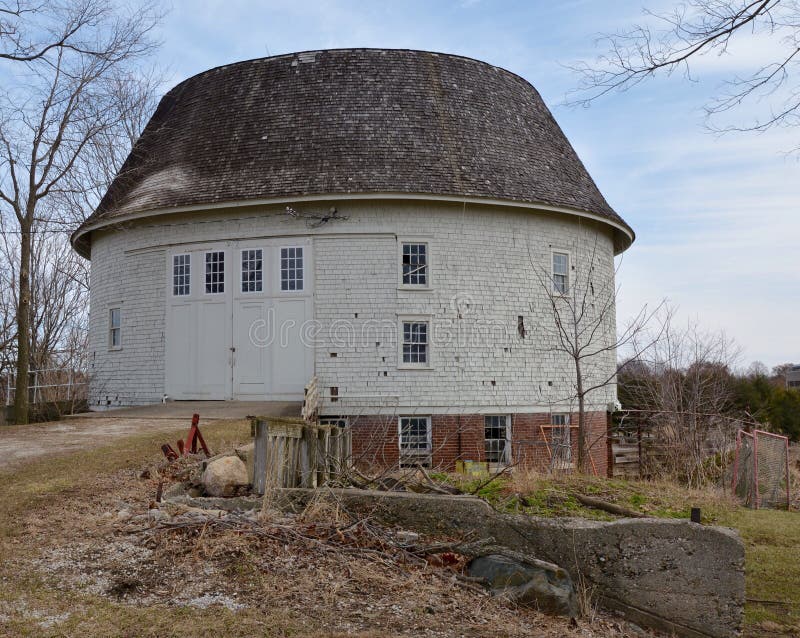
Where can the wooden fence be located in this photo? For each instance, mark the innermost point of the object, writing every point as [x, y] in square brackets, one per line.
[294, 453]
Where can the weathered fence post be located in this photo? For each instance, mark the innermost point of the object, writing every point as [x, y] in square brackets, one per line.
[260, 455]
[292, 453]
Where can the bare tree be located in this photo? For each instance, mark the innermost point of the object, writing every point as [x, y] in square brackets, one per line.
[66, 61]
[683, 390]
[584, 332]
[672, 42]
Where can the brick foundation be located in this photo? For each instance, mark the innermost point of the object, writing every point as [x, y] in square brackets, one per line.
[461, 437]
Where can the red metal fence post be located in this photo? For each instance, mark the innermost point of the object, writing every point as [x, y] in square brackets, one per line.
[788, 481]
[736, 461]
[755, 467]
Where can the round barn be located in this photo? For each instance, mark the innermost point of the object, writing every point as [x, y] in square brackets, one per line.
[402, 227]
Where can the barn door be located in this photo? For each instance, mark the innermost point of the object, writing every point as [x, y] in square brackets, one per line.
[251, 324]
[235, 319]
[198, 337]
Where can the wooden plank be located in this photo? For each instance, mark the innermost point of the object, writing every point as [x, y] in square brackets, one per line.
[294, 462]
[288, 430]
[306, 463]
[260, 454]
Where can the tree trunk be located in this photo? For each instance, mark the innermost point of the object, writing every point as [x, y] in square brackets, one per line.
[21, 406]
[581, 417]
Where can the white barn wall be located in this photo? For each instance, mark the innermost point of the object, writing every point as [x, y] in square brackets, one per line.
[480, 255]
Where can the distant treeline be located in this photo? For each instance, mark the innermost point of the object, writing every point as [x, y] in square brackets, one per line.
[704, 393]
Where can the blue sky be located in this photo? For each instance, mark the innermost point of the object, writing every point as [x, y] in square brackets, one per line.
[717, 218]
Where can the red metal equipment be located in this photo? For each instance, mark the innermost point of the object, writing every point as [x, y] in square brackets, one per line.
[194, 438]
[190, 446]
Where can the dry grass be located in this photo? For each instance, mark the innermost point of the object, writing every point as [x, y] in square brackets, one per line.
[71, 566]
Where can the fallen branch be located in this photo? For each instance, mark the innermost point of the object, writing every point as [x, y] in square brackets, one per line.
[437, 487]
[761, 601]
[611, 508]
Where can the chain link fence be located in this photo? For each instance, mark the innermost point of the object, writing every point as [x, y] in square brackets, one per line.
[761, 469]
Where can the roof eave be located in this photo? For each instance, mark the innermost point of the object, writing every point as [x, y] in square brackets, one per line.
[80, 239]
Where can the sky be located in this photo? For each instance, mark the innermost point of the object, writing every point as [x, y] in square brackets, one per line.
[717, 218]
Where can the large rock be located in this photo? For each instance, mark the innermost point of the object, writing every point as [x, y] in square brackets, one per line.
[529, 582]
[224, 476]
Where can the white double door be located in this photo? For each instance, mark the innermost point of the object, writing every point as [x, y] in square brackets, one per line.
[236, 316]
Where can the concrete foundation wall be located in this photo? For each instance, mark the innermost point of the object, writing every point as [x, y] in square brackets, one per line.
[675, 576]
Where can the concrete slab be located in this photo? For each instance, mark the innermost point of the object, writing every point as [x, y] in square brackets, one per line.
[207, 410]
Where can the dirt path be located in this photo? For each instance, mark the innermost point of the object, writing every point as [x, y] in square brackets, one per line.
[21, 443]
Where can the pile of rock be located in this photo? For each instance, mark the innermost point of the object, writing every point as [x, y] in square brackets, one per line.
[222, 476]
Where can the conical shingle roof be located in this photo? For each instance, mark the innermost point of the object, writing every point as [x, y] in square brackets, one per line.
[352, 121]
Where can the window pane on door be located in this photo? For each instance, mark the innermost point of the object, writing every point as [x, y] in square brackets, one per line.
[181, 275]
[252, 270]
[292, 268]
[215, 272]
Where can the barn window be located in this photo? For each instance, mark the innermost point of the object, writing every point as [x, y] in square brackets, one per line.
[215, 272]
[292, 268]
[560, 273]
[415, 342]
[415, 440]
[252, 270]
[415, 264]
[497, 438]
[115, 328]
[181, 275]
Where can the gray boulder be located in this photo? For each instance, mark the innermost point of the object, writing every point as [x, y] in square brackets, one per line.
[224, 476]
[531, 582]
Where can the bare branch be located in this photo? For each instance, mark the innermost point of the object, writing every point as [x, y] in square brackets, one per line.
[672, 42]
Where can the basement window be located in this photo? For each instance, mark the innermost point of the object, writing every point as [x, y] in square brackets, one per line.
[252, 270]
[338, 421]
[415, 344]
[215, 272]
[415, 441]
[497, 438]
[115, 329]
[560, 273]
[560, 441]
[181, 275]
[415, 264]
[292, 268]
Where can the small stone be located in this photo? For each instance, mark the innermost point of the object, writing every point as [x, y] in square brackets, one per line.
[124, 515]
[176, 489]
[157, 515]
[406, 537]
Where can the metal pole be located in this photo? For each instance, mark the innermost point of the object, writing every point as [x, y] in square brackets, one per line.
[755, 466]
[736, 461]
[788, 488]
[639, 445]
